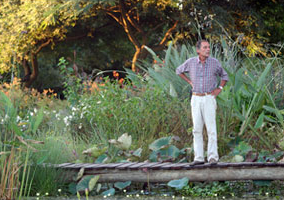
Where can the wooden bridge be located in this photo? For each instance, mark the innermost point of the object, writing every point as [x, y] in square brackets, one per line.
[164, 171]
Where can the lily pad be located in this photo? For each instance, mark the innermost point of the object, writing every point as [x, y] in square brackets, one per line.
[137, 153]
[84, 183]
[101, 159]
[178, 184]
[160, 143]
[109, 192]
[262, 182]
[123, 142]
[72, 188]
[172, 152]
[122, 185]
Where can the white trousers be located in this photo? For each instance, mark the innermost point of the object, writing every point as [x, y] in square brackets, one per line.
[203, 110]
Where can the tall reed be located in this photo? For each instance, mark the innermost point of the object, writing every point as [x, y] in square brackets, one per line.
[14, 169]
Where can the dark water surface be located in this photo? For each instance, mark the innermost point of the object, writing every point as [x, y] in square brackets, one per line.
[154, 198]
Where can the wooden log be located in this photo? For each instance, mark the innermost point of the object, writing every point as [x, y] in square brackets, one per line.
[195, 174]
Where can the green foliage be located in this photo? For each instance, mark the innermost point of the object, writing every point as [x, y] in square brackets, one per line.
[72, 83]
[250, 111]
[213, 189]
[162, 73]
[29, 24]
[244, 152]
[13, 142]
[46, 180]
[114, 111]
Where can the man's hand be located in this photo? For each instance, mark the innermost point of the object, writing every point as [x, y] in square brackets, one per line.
[216, 92]
[190, 83]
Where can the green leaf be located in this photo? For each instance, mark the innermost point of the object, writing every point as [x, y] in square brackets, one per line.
[275, 111]
[153, 157]
[261, 80]
[168, 54]
[259, 121]
[84, 183]
[178, 184]
[72, 188]
[70, 69]
[16, 129]
[99, 188]
[262, 182]
[80, 173]
[170, 152]
[101, 159]
[137, 153]
[38, 120]
[172, 91]
[122, 185]
[153, 54]
[5, 100]
[242, 149]
[238, 80]
[42, 159]
[237, 159]
[93, 182]
[164, 154]
[160, 143]
[109, 192]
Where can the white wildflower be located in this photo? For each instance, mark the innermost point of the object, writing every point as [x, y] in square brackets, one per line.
[18, 118]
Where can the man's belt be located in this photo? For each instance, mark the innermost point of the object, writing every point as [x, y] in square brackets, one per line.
[201, 94]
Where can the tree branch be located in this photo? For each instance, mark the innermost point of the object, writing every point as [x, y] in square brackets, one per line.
[134, 24]
[41, 46]
[127, 27]
[115, 18]
[161, 45]
[164, 40]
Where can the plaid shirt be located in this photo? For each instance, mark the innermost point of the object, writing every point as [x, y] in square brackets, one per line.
[203, 77]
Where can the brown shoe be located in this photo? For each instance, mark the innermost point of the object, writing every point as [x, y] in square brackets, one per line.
[212, 161]
[196, 162]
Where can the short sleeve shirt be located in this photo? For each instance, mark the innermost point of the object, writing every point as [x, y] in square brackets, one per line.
[204, 77]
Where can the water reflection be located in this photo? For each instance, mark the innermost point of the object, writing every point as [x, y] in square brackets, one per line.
[154, 198]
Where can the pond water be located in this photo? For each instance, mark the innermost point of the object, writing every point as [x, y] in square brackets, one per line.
[154, 198]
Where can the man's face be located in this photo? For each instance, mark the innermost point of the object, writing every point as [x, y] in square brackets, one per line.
[204, 50]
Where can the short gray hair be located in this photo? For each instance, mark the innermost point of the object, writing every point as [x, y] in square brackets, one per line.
[198, 43]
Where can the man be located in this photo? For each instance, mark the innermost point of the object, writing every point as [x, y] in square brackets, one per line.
[201, 73]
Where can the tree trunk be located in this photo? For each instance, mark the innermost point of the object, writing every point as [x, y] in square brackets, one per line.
[27, 70]
[167, 171]
[31, 75]
[140, 53]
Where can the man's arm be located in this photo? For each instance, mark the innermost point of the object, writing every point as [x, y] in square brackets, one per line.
[223, 83]
[218, 90]
[184, 77]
